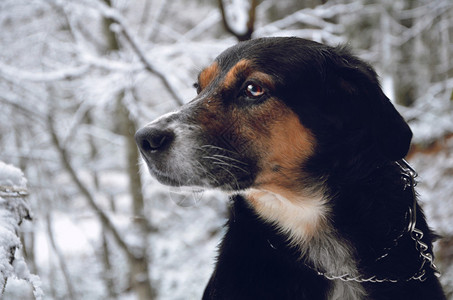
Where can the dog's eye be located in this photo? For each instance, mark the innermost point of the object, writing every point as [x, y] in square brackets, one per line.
[197, 87]
[254, 91]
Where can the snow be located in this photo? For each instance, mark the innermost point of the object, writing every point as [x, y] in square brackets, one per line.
[11, 176]
[13, 210]
[71, 238]
[22, 272]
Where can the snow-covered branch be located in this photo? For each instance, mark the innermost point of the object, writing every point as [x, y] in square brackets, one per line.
[109, 64]
[422, 24]
[203, 26]
[13, 211]
[19, 105]
[150, 67]
[313, 17]
[123, 28]
[62, 74]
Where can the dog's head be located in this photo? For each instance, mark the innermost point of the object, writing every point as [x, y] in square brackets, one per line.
[269, 112]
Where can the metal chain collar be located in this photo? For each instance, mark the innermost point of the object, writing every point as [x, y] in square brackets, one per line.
[409, 175]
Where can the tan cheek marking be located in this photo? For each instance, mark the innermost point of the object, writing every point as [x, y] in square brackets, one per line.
[208, 75]
[243, 66]
[277, 195]
[284, 151]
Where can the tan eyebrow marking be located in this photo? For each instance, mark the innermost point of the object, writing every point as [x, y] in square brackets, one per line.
[243, 66]
[264, 78]
[208, 74]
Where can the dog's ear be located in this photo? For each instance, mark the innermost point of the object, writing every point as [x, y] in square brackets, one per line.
[392, 133]
[359, 83]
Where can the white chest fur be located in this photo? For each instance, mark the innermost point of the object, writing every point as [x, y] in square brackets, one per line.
[306, 223]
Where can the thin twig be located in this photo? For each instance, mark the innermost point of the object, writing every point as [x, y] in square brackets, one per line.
[30, 113]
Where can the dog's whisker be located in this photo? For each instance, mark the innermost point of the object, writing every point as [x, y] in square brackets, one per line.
[232, 175]
[222, 162]
[230, 158]
[219, 148]
[230, 165]
[200, 167]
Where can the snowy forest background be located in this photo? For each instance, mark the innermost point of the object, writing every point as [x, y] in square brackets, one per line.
[77, 78]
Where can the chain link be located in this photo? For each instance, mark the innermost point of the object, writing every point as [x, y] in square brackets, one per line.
[374, 279]
[409, 175]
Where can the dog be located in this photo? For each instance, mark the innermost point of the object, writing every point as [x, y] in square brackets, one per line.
[311, 151]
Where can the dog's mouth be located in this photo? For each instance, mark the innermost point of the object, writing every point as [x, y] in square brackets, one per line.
[200, 167]
[166, 179]
[160, 172]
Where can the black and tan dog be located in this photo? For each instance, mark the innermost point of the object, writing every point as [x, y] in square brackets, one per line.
[323, 205]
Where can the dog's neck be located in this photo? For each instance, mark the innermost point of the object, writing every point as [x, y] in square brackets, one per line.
[367, 218]
[306, 223]
[299, 218]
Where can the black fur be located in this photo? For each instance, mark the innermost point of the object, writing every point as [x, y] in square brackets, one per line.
[359, 135]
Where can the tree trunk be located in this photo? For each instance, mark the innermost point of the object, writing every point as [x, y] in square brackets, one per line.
[404, 84]
[138, 262]
[140, 280]
[108, 272]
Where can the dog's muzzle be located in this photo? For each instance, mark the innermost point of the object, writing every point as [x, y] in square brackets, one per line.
[178, 152]
[161, 150]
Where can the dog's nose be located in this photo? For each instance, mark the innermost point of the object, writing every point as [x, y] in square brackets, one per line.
[152, 139]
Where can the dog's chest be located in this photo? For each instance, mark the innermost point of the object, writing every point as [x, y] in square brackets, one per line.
[305, 222]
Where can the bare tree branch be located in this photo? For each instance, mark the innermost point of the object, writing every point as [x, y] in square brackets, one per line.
[85, 192]
[155, 25]
[117, 18]
[139, 51]
[247, 35]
